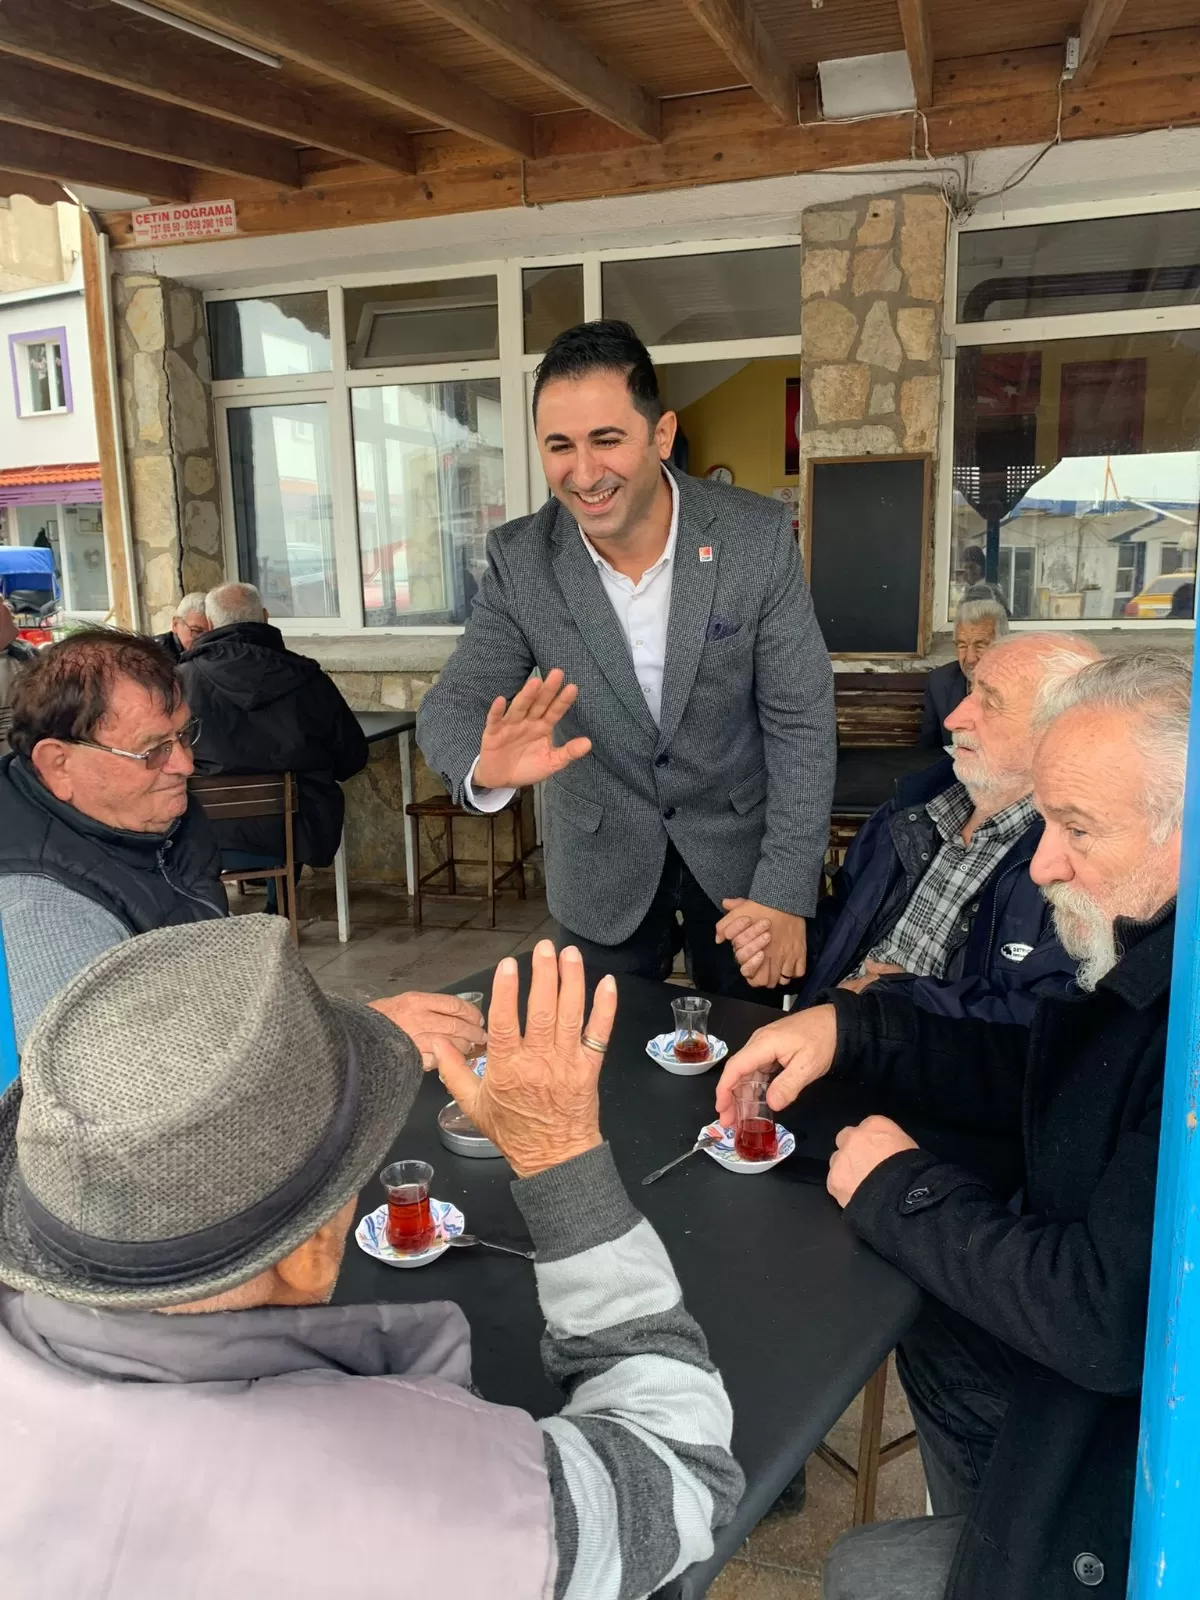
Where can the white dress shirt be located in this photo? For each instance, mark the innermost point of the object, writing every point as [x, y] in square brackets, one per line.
[642, 609]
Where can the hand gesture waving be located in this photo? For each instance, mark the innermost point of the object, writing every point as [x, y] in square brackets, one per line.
[518, 745]
[538, 1102]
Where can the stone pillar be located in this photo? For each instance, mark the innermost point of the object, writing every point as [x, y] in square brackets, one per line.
[872, 288]
[166, 401]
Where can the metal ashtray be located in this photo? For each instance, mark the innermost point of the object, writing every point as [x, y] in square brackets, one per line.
[458, 1133]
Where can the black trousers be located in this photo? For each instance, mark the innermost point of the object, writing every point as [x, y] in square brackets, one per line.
[681, 916]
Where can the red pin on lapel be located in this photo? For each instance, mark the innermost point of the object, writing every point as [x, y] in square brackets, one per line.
[706, 552]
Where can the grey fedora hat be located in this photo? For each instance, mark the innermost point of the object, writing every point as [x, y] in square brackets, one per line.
[190, 1109]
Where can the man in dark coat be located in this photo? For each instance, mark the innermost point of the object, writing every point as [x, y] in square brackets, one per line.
[189, 623]
[1023, 1372]
[934, 896]
[978, 624]
[263, 708]
[98, 838]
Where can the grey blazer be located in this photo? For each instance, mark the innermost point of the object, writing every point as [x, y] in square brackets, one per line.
[739, 774]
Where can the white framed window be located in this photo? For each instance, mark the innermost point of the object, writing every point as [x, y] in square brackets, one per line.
[372, 431]
[41, 374]
[1073, 416]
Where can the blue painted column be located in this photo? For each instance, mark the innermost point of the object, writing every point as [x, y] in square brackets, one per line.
[1165, 1562]
[8, 1033]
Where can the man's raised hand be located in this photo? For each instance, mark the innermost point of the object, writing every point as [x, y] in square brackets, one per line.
[518, 748]
[538, 1102]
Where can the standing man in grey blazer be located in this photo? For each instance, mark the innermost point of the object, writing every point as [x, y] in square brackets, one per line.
[645, 645]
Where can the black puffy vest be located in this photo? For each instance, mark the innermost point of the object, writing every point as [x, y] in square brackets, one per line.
[147, 880]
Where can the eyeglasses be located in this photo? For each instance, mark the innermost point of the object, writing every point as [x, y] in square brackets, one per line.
[159, 754]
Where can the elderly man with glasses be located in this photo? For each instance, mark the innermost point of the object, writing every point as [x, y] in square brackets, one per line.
[99, 839]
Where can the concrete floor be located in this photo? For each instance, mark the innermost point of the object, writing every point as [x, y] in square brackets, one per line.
[782, 1558]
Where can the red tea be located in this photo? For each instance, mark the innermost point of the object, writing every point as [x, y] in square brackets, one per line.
[756, 1140]
[409, 1225]
[692, 1048]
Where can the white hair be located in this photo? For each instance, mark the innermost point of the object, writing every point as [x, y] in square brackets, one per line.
[189, 605]
[1153, 688]
[233, 602]
[973, 611]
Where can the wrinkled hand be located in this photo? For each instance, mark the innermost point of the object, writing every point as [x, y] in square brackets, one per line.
[538, 1101]
[428, 1017]
[803, 1044]
[518, 745]
[770, 946]
[871, 971]
[859, 1151]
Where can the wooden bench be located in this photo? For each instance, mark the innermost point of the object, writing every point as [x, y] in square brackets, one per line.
[879, 708]
[875, 711]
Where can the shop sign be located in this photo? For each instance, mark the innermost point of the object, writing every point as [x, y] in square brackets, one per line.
[194, 219]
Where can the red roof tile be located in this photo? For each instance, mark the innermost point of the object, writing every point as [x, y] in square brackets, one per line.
[19, 477]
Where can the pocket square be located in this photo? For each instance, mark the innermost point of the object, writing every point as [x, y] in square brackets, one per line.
[721, 628]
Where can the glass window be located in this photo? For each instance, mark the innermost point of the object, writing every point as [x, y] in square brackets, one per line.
[429, 467]
[553, 302]
[1077, 476]
[1101, 264]
[83, 556]
[410, 324]
[740, 294]
[279, 465]
[270, 338]
[40, 377]
[738, 416]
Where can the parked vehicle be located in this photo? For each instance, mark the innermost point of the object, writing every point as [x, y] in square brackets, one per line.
[1156, 598]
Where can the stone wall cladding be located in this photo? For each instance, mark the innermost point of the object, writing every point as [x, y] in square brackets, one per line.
[170, 443]
[375, 819]
[873, 279]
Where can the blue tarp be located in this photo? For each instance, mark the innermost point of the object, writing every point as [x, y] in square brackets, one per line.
[27, 567]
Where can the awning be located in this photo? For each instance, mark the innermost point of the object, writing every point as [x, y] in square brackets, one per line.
[77, 483]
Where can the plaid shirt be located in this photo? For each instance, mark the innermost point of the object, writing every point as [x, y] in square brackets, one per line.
[924, 938]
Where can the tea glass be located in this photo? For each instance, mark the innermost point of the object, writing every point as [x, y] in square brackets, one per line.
[754, 1136]
[691, 1028]
[473, 997]
[410, 1226]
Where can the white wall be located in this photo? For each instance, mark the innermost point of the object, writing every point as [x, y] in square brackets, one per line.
[58, 437]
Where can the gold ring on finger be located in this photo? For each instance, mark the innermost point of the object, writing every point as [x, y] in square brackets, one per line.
[595, 1044]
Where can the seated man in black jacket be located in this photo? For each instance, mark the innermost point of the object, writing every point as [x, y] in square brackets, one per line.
[189, 623]
[1024, 1369]
[978, 624]
[263, 708]
[935, 893]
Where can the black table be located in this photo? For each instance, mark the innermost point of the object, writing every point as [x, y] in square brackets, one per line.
[382, 724]
[867, 775]
[798, 1312]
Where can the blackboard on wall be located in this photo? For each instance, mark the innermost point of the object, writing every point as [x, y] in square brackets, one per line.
[867, 530]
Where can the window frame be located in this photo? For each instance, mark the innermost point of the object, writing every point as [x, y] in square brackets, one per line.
[22, 393]
[1027, 330]
[524, 484]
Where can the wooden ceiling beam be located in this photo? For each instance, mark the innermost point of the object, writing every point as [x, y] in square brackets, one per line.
[308, 32]
[552, 53]
[58, 102]
[980, 103]
[43, 190]
[50, 155]
[914, 20]
[737, 29]
[175, 70]
[1099, 20]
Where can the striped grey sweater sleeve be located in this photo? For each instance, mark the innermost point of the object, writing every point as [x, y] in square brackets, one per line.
[638, 1458]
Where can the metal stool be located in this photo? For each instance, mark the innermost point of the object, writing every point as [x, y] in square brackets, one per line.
[442, 806]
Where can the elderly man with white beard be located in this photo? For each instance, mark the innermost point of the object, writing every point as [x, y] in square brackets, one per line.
[1024, 1369]
[934, 895]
